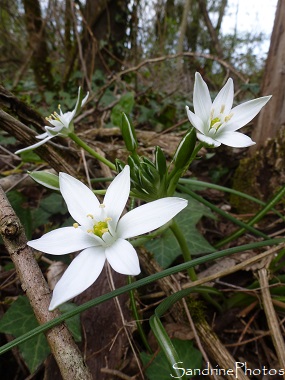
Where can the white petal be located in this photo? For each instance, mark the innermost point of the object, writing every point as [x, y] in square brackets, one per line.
[34, 146]
[79, 198]
[224, 99]
[43, 136]
[244, 113]
[63, 240]
[77, 105]
[57, 127]
[116, 196]
[150, 216]
[201, 98]
[235, 139]
[208, 140]
[81, 273]
[123, 258]
[196, 121]
[66, 118]
[85, 99]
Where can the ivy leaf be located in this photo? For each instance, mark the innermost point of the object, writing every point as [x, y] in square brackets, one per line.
[125, 104]
[18, 320]
[166, 249]
[73, 323]
[159, 369]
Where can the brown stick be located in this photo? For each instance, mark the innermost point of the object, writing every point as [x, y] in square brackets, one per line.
[271, 317]
[64, 349]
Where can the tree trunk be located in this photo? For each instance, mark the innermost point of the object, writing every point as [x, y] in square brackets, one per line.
[262, 173]
[37, 43]
[104, 34]
[272, 117]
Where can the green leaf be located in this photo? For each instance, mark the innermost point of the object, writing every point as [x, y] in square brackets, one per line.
[73, 323]
[46, 179]
[18, 320]
[166, 249]
[159, 369]
[125, 104]
[31, 156]
[5, 139]
[52, 204]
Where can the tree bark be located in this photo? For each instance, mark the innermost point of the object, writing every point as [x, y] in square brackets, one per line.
[104, 34]
[37, 42]
[272, 116]
[212, 31]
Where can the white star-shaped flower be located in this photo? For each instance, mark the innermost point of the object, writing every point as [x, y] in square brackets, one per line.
[216, 123]
[62, 124]
[100, 232]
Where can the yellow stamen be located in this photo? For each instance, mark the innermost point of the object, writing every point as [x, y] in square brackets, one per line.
[227, 118]
[222, 108]
[215, 123]
[75, 225]
[102, 205]
[90, 216]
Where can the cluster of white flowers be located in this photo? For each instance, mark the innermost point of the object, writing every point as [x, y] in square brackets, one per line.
[98, 229]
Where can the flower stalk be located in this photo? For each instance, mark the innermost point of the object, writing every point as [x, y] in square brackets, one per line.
[91, 151]
[184, 248]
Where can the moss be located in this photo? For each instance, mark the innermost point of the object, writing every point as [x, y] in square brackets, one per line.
[260, 175]
[197, 309]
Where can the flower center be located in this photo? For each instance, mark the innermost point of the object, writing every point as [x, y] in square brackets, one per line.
[217, 122]
[54, 116]
[100, 228]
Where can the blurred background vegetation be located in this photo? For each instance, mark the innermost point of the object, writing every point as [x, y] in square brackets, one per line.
[48, 48]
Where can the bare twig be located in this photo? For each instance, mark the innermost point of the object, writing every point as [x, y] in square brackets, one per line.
[222, 62]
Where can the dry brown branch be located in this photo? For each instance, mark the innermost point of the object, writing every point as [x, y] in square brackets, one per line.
[217, 350]
[65, 351]
[211, 57]
[271, 317]
[55, 157]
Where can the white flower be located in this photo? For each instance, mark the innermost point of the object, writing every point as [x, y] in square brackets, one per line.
[216, 123]
[101, 233]
[62, 123]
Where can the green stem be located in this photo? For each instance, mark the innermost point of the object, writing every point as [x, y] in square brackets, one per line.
[245, 226]
[184, 247]
[187, 257]
[91, 151]
[201, 184]
[195, 152]
[257, 217]
[137, 318]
